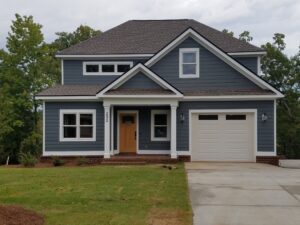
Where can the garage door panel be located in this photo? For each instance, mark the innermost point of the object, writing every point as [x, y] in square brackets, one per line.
[222, 139]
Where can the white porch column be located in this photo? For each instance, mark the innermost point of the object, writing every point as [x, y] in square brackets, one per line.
[106, 131]
[174, 131]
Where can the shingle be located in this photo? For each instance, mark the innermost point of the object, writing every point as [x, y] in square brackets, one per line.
[140, 92]
[150, 36]
[228, 92]
[71, 90]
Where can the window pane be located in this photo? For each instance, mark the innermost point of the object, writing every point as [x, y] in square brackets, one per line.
[108, 68]
[189, 69]
[86, 132]
[128, 119]
[69, 119]
[160, 119]
[208, 117]
[189, 57]
[69, 132]
[160, 132]
[235, 117]
[92, 68]
[123, 68]
[86, 119]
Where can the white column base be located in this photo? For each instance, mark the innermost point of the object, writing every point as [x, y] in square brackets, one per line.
[173, 156]
[106, 156]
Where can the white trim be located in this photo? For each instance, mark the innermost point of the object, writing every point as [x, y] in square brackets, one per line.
[100, 63]
[258, 66]
[62, 71]
[160, 111]
[216, 51]
[173, 143]
[107, 125]
[77, 112]
[137, 127]
[266, 154]
[112, 130]
[105, 56]
[230, 97]
[44, 127]
[139, 101]
[153, 152]
[133, 71]
[247, 53]
[275, 127]
[73, 153]
[66, 98]
[254, 111]
[184, 153]
[197, 62]
[141, 96]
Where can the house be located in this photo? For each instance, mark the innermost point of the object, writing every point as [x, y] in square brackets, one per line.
[157, 87]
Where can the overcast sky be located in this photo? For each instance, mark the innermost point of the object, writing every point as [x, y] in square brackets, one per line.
[262, 18]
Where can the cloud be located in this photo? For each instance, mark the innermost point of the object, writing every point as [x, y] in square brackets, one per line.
[261, 18]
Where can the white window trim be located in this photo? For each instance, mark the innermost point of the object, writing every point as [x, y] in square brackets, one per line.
[77, 112]
[188, 50]
[153, 113]
[100, 63]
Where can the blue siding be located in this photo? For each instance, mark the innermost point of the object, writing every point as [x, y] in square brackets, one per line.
[52, 142]
[140, 80]
[214, 73]
[265, 132]
[145, 142]
[249, 62]
[73, 73]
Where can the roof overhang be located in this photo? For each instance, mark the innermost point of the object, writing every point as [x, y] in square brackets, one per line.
[132, 72]
[216, 51]
[68, 98]
[247, 54]
[107, 56]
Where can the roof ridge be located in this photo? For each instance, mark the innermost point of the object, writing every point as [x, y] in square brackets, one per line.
[160, 20]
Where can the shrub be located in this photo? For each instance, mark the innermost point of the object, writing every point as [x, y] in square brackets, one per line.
[82, 161]
[27, 159]
[32, 144]
[57, 161]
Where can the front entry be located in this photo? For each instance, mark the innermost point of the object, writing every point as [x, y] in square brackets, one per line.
[127, 132]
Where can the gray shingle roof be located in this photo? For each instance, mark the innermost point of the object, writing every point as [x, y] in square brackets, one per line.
[140, 92]
[71, 90]
[150, 36]
[228, 92]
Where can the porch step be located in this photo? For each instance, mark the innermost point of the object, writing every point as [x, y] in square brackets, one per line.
[134, 159]
[123, 163]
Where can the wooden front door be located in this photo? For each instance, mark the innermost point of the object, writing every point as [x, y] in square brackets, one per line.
[128, 132]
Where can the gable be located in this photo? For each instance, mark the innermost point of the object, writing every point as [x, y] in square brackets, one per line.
[215, 74]
[140, 81]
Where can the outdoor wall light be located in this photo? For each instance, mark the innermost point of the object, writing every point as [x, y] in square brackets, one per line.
[264, 117]
[181, 117]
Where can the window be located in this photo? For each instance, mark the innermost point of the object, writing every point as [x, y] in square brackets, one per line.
[106, 68]
[160, 125]
[77, 125]
[188, 62]
[208, 117]
[236, 117]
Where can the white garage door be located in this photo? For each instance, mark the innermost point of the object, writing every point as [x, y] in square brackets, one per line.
[222, 137]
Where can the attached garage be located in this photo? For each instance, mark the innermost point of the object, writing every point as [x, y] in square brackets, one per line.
[223, 135]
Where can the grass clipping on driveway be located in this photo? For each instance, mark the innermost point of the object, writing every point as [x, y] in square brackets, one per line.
[110, 195]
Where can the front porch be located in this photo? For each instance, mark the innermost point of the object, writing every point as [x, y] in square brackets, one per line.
[139, 128]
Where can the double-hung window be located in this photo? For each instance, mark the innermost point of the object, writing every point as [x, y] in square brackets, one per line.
[78, 125]
[189, 62]
[160, 125]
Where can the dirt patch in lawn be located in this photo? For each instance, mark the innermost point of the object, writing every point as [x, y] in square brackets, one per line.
[16, 215]
[166, 217]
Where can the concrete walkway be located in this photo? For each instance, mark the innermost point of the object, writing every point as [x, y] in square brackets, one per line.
[244, 194]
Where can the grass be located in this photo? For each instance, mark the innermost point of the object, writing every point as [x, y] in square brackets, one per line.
[110, 195]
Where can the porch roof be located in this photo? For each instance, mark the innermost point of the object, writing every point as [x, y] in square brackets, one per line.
[139, 92]
[71, 90]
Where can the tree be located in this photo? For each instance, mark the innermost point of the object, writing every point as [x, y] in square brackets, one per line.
[283, 73]
[25, 72]
[245, 36]
[226, 31]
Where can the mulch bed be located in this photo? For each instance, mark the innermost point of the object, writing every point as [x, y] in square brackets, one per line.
[16, 215]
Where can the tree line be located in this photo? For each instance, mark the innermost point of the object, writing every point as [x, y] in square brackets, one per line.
[28, 65]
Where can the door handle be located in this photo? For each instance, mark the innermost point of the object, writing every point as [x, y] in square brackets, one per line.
[135, 135]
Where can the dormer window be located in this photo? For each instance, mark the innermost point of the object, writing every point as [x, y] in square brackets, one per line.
[189, 62]
[106, 68]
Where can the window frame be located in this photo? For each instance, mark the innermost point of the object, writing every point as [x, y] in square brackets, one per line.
[100, 63]
[189, 50]
[77, 112]
[153, 113]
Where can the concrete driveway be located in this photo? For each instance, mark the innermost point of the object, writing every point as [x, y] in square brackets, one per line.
[244, 194]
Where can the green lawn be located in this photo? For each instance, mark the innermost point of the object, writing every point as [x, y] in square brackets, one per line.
[110, 195]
